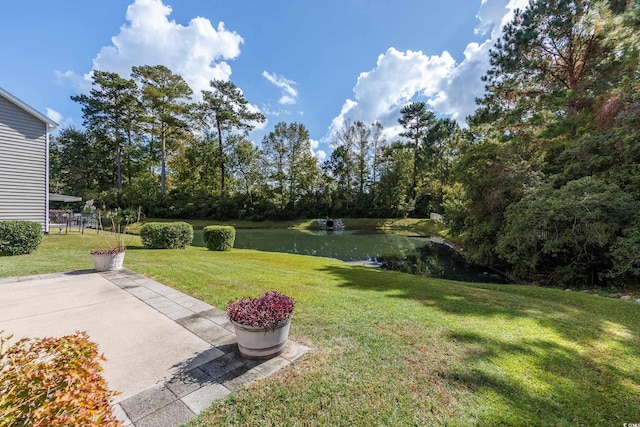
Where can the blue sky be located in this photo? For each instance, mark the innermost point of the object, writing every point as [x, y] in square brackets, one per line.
[313, 62]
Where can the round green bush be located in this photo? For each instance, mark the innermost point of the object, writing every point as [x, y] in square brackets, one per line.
[19, 237]
[166, 235]
[219, 237]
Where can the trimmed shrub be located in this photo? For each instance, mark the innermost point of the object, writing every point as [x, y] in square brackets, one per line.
[54, 382]
[19, 237]
[219, 237]
[166, 235]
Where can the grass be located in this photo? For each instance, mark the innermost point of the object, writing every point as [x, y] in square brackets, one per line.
[395, 349]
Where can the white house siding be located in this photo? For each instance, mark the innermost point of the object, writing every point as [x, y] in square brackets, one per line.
[23, 165]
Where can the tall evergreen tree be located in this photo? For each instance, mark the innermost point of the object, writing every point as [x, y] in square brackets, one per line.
[416, 121]
[166, 96]
[553, 55]
[225, 109]
[109, 111]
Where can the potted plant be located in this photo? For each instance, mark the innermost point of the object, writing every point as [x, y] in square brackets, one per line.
[261, 324]
[111, 257]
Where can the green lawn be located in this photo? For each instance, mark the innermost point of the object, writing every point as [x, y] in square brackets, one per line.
[395, 349]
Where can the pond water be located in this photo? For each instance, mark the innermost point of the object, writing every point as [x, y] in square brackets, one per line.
[417, 255]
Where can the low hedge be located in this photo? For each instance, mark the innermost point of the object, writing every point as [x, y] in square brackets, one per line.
[166, 235]
[54, 382]
[19, 237]
[219, 237]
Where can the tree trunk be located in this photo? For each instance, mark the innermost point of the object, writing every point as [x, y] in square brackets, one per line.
[221, 153]
[164, 161]
[119, 164]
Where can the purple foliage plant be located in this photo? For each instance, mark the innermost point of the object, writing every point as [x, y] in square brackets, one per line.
[266, 311]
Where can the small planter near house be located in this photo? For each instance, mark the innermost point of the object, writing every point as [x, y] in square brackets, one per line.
[112, 257]
[261, 324]
[108, 259]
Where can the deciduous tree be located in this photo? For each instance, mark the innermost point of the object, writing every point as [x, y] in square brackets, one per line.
[290, 163]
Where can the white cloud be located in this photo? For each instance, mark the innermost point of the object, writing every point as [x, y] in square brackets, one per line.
[81, 83]
[196, 51]
[490, 13]
[54, 115]
[63, 122]
[289, 93]
[266, 109]
[397, 78]
[258, 126]
[318, 154]
[464, 84]
[450, 88]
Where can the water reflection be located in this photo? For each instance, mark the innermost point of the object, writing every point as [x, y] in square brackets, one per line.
[417, 255]
[435, 259]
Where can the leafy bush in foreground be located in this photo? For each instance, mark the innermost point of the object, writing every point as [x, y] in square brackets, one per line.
[53, 382]
[19, 237]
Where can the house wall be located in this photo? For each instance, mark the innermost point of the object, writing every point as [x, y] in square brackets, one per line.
[23, 165]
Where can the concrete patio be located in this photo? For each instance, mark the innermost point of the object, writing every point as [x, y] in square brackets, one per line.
[169, 354]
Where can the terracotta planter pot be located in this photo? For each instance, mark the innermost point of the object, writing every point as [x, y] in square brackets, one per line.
[260, 343]
[108, 262]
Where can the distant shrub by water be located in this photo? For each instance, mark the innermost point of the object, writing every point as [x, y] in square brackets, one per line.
[219, 237]
[166, 235]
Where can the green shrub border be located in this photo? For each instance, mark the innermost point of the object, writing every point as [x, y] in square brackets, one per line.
[219, 237]
[166, 235]
[19, 237]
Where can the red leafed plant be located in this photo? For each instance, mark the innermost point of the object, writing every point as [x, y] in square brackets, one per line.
[110, 251]
[266, 311]
[53, 382]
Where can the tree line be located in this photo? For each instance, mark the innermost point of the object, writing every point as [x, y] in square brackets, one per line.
[543, 183]
[146, 143]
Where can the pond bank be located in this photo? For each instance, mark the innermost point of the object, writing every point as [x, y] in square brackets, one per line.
[418, 255]
[423, 227]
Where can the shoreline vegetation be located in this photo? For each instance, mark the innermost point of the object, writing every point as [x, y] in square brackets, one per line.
[423, 227]
[394, 349]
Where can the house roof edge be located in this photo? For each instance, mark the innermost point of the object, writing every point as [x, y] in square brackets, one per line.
[26, 107]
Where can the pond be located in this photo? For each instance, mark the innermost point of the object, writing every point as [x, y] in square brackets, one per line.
[417, 255]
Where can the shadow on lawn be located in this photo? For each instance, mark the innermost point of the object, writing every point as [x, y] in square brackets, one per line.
[562, 386]
[577, 317]
[588, 375]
